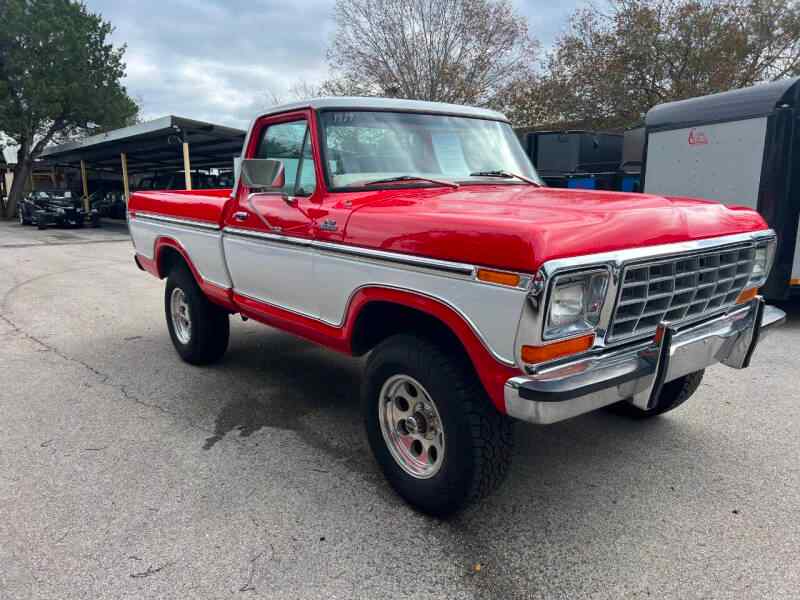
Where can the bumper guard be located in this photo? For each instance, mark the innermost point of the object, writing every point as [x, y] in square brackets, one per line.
[638, 373]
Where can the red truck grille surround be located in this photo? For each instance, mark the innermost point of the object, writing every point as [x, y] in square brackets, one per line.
[679, 288]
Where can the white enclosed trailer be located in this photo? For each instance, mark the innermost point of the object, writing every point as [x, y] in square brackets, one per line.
[740, 148]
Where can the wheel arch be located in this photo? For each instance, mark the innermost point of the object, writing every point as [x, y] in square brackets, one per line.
[169, 252]
[376, 313]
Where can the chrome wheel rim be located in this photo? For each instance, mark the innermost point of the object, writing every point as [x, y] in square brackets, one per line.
[181, 319]
[411, 426]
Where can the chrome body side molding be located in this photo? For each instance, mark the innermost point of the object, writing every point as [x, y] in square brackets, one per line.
[186, 222]
[369, 253]
[318, 280]
[202, 242]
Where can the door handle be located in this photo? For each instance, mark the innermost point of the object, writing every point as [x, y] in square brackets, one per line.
[240, 216]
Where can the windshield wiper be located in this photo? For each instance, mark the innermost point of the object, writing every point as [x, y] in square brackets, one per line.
[451, 184]
[505, 175]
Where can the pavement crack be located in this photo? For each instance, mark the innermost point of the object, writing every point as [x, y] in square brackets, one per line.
[150, 571]
[249, 587]
[69, 243]
[104, 378]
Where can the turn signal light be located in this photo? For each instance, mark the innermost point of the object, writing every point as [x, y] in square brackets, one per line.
[499, 277]
[538, 354]
[747, 295]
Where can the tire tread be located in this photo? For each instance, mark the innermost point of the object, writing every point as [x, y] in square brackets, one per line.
[490, 431]
[210, 324]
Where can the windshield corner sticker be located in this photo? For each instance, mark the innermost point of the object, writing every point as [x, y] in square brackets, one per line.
[450, 154]
[697, 137]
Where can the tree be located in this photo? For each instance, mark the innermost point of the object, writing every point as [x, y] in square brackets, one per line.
[611, 67]
[459, 51]
[59, 78]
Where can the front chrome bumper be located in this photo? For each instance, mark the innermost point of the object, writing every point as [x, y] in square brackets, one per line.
[637, 373]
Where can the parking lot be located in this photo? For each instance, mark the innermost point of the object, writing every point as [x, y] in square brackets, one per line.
[126, 473]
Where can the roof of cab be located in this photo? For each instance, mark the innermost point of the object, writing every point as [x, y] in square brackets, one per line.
[388, 104]
[746, 103]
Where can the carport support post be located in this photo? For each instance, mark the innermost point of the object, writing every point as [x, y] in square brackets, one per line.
[187, 165]
[85, 187]
[124, 158]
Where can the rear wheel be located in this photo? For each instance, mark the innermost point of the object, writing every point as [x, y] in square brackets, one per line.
[437, 437]
[672, 395]
[198, 328]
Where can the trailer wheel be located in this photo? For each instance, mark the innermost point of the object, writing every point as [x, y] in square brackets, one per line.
[437, 437]
[672, 396]
[198, 328]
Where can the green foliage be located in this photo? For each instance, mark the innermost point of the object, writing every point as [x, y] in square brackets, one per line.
[613, 64]
[59, 75]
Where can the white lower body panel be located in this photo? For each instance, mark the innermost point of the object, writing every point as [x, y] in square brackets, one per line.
[204, 248]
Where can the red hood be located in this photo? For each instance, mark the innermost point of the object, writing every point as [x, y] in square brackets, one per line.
[521, 227]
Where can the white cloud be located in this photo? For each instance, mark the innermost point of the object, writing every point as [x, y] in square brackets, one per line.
[217, 61]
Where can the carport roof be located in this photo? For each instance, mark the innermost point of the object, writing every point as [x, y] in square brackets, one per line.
[153, 146]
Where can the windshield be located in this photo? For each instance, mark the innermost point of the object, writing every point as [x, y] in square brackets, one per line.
[360, 147]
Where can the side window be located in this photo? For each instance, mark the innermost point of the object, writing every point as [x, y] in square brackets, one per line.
[291, 144]
[306, 178]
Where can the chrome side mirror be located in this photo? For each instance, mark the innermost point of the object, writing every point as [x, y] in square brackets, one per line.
[263, 174]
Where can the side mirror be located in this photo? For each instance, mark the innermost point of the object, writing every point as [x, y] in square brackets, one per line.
[263, 173]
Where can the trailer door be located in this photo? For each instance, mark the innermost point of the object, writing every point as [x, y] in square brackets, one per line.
[720, 161]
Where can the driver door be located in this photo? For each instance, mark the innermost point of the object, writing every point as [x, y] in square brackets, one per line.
[266, 233]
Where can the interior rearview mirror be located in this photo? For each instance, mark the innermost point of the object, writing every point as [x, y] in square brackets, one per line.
[263, 173]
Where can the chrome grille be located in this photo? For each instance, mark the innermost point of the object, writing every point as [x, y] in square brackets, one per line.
[679, 288]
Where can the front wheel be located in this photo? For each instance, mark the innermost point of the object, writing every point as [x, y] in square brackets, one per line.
[198, 328]
[672, 395]
[437, 437]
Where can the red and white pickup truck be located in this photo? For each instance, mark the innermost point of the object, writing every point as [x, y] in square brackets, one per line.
[420, 233]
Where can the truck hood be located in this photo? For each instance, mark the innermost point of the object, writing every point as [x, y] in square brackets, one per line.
[521, 227]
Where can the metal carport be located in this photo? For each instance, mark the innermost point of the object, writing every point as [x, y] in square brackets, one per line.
[167, 144]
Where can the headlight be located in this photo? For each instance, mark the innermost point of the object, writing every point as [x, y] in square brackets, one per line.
[576, 301]
[765, 254]
[60, 211]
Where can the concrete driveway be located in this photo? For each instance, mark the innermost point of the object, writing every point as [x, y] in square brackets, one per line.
[125, 473]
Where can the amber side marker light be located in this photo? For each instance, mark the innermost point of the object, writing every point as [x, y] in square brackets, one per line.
[498, 277]
[539, 354]
[794, 282]
[747, 295]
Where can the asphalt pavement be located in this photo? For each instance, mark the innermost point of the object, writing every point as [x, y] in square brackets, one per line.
[125, 473]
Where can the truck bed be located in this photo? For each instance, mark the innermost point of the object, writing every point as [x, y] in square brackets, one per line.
[198, 205]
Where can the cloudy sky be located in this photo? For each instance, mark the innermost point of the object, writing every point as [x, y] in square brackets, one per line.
[220, 61]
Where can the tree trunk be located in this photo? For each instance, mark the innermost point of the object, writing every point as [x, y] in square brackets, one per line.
[21, 172]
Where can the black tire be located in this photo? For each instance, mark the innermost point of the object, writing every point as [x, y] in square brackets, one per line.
[210, 330]
[673, 394]
[478, 440]
[41, 224]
